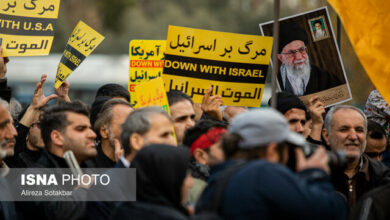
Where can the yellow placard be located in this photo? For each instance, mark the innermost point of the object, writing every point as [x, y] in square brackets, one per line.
[234, 64]
[27, 26]
[146, 61]
[152, 93]
[81, 43]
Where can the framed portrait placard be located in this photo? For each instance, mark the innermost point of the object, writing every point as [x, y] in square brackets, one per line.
[318, 28]
[309, 61]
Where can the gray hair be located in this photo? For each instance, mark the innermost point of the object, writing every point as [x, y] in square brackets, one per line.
[4, 103]
[329, 117]
[139, 122]
[105, 114]
[15, 108]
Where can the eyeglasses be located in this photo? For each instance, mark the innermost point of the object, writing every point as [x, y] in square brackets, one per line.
[37, 123]
[302, 51]
[374, 154]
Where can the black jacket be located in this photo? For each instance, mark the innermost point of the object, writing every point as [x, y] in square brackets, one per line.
[58, 210]
[102, 210]
[5, 91]
[145, 211]
[7, 208]
[373, 205]
[101, 160]
[379, 175]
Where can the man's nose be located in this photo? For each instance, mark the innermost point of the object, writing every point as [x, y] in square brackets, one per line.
[352, 135]
[91, 134]
[190, 123]
[299, 128]
[11, 131]
[298, 55]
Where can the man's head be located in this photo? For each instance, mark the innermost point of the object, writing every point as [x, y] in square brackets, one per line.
[182, 112]
[318, 25]
[114, 91]
[292, 109]
[33, 137]
[7, 131]
[110, 119]
[376, 140]
[345, 128]
[15, 108]
[293, 50]
[144, 126]
[65, 126]
[261, 133]
[203, 141]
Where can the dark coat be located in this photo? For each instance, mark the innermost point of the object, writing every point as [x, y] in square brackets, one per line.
[7, 208]
[373, 205]
[264, 190]
[379, 175]
[5, 91]
[102, 210]
[161, 170]
[58, 210]
[146, 211]
[101, 160]
[319, 80]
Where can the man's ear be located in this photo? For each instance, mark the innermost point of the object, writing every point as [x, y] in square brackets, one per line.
[272, 153]
[57, 138]
[137, 141]
[280, 57]
[325, 135]
[104, 132]
[200, 156]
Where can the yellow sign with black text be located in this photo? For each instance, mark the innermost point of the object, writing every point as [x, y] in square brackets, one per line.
[27, 26]
[81, 43]
[152, 93]
[146, 61]
[235, 65]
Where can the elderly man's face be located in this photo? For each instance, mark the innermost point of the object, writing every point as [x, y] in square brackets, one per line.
[318, 26]
[294, 54]
[348, 132]
[7, 132]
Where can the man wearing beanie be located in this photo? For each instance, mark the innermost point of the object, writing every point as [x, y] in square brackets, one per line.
[296, 114]
[292, 109]
[297, 76]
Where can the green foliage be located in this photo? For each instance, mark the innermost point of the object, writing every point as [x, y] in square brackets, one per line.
[112, 11]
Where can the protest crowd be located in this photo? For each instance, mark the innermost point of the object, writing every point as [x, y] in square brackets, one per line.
[203, 160]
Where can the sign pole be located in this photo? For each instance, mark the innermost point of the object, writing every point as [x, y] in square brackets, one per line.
[275, 52]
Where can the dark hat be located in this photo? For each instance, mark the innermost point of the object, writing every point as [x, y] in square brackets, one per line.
[96, 107]
[286, 101]
[290, 32]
